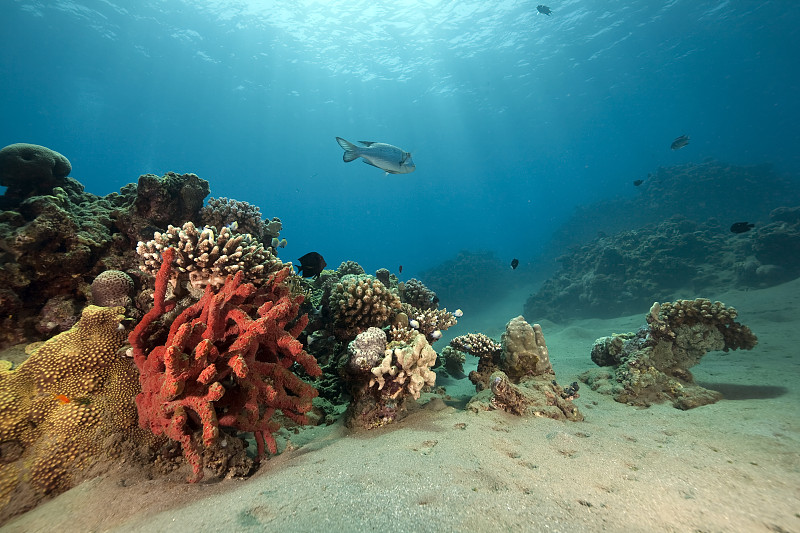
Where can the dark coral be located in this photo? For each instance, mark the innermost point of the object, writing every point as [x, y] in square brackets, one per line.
[54, 245]
[29, 170]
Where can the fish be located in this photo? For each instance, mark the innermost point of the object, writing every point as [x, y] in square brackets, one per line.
[400, 269]
[544, 10]
[742, 227]
[436, 335]
[680, 142]
[458, 313]
[62, 398]
[391, 159]
[413, 324]
[514, 263]
[311, 265]
[636, 183]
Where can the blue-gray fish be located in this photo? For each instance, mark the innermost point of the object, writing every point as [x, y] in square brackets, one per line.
[384, 156]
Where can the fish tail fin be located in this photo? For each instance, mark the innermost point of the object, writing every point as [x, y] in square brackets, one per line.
[350, 150]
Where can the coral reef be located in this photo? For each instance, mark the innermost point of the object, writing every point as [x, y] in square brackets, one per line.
[430, 322]
[358, 302]
[652, 365]
[53, 245]
[206, 256]
[697, 191]
[616, 275]
[400, 371]
[776, 249]
[30, 170]
[68, 407]
[227, 212]
[228, 361]
[518, 378]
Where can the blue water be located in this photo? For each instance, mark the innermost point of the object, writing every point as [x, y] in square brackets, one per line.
[513, 118]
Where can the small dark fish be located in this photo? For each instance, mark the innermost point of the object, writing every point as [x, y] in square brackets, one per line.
[680, 142]
[636, 183]
[544, 10]
[741, 227]
[514, 263]
[311, 265]
[400, 269]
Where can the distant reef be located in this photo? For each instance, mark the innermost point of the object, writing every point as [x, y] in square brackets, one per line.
[674, 239]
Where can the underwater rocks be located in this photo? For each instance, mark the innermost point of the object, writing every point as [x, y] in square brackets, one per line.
[468, 279]
[618, 274]
[652, 365]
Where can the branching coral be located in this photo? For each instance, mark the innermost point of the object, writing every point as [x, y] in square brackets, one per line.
[209, 256]
[229, 360]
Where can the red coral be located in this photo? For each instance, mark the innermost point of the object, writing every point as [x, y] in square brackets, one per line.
[226, 362]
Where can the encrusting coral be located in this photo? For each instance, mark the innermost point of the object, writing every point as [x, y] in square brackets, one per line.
[383, 377]
[62, 408]
[652, 365]
[208, 256]
[30, 169]
[228, 361]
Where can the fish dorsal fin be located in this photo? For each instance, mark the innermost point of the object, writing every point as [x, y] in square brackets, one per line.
[367, 143]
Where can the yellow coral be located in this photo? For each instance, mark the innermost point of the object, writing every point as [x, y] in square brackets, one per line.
[60, 403]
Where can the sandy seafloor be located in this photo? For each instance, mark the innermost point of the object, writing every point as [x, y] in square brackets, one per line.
[733, 466]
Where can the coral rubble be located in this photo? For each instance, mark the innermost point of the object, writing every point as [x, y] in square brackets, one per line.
[652, 365]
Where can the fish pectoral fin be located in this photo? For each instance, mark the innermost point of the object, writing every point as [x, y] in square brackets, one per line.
[367, 143]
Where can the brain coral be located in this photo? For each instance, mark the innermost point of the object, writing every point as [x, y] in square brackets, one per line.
[112, 288]
[359, 302]
[59, 407]
[28, 169]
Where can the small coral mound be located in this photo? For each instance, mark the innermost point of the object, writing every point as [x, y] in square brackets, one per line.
[60, 407]
[652, 365]
[477, 344]
[229, 361]
[209, 256]
[518, 378]
[360, 301]
[401, 371]
[112, 288]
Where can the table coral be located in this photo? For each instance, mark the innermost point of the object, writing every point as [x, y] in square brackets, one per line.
[652, 365]
[60, 405]
[228, 360]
